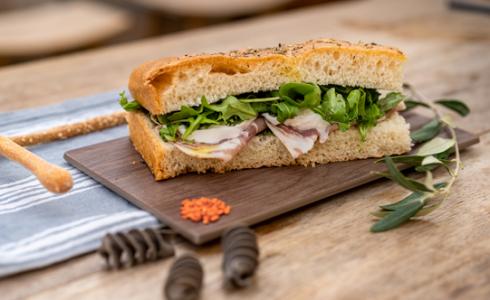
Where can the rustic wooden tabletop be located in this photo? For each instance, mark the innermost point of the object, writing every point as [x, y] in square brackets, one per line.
[323, 251]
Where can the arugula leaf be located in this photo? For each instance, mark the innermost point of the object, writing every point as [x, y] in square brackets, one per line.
[390, 101]
[301, 94]
[334, 106]
[185, 112]
[194, 124]
[231, 107]
[372, 113]
[363, 129]
[254, 100]
[455, 105]
[243, 111]
[169, 132]
[362, 103]
[369, 120]
[126, 105]
[284, 111]
[353, 99]
[428, 131]
[261, 107]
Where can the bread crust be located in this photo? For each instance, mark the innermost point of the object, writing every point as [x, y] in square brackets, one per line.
[391, 136]
[149, 82]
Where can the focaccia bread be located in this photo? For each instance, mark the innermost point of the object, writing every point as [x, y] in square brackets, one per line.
[164, 85]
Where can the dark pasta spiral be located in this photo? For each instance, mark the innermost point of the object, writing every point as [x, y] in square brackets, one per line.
[126, 249]
[184, 280]
[241, 256]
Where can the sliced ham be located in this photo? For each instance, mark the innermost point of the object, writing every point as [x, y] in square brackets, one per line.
[221, 142]
[300, 133]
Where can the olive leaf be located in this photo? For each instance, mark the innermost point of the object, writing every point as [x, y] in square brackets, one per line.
[412, 160]
[398, 217]
[455, 105]
[427, 132]
[411, 104]
[415, 196]
[431, 162]
[408, 183]
[435, 146]
[394, 214]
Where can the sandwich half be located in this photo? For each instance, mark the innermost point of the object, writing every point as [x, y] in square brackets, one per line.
[311, 103]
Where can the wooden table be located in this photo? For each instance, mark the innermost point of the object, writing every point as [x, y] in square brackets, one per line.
[49, 28]
[323, 251]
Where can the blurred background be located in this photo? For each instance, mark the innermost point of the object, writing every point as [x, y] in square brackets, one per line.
[35, 29]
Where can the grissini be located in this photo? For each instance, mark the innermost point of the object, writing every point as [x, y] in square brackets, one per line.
[55, 179]
[320, 102]
[66, 131]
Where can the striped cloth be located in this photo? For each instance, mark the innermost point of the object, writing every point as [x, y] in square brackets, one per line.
[38, 228]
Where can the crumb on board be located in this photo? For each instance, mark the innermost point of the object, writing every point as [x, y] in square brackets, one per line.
[203, 209]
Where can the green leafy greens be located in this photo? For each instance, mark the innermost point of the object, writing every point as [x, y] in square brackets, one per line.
[344, 106]
[126, 105]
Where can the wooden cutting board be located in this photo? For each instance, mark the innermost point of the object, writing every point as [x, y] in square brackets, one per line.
[255, 195]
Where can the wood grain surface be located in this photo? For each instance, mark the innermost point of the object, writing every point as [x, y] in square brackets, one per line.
[255, 195]
[324, 250]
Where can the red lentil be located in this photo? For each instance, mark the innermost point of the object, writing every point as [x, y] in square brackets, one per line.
[203, 209]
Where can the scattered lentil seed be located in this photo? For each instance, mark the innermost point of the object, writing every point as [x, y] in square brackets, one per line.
[203, 209]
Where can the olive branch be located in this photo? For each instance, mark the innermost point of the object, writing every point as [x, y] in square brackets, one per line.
[435, 152]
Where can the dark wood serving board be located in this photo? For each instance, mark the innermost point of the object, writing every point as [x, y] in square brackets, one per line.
[255, 195]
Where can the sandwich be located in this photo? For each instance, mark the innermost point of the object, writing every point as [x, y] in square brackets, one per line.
[315, 102]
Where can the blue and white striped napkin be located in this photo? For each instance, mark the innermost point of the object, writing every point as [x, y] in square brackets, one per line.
[38, 228]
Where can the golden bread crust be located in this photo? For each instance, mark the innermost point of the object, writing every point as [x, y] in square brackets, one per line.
[148, 83]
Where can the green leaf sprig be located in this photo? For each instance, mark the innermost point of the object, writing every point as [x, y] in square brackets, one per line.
[126, 105]
[426, 196]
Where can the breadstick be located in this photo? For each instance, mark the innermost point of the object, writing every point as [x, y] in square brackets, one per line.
[70, 130]
[55, 179]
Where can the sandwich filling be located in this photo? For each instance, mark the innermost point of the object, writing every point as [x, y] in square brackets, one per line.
[298, 114]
